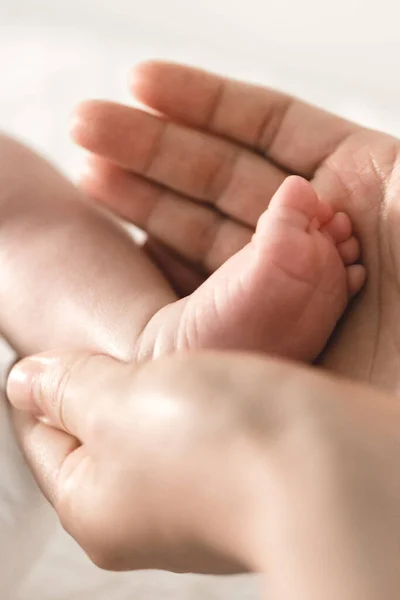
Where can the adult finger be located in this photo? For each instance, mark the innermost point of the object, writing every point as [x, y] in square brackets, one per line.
[190, 162]
[293, 134]
[46, 451]
[148, 488]
[68, 389]
[202, 236]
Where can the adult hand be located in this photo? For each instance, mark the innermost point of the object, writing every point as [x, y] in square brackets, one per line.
[197, 178]
[219, 462]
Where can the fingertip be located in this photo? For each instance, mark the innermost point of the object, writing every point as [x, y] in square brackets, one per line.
[162, 86]
[22, 380]
[83, 119]
[18, 388]
[78, 117]
[143, 76]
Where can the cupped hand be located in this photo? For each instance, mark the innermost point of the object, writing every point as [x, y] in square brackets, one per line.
[219, 463]
[199, 170]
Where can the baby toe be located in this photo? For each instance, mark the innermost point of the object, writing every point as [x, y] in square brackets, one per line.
[294, 205]
[356, 275]
[339, 228]
[349, 250]
[324, 213]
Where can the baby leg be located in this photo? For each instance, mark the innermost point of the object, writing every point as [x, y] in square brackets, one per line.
[70, 276]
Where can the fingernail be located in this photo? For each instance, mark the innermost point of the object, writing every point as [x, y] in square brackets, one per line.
[21, 383]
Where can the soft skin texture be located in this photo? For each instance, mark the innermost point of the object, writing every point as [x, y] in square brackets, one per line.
[352, 168]
[217, 462]
[245, 140]
[79, 280]
[71, 276]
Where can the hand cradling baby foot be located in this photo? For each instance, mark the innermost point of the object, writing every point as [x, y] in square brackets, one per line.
[273, 279]
[79, 280]
[269, 266]
[198, 179]
[283, 293]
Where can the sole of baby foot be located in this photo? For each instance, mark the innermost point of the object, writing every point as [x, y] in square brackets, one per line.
[282, 294]
[285, 292]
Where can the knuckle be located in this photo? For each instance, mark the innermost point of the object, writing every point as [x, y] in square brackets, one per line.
[52, 387]
[49, 390]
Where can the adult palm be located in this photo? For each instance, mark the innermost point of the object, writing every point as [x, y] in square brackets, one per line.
[198, 170]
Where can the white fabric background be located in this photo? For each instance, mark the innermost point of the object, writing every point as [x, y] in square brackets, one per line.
[344, 56]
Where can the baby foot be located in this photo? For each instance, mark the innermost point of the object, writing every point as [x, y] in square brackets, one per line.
[283, 293]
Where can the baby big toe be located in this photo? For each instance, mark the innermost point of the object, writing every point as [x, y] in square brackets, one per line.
[294, 204]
